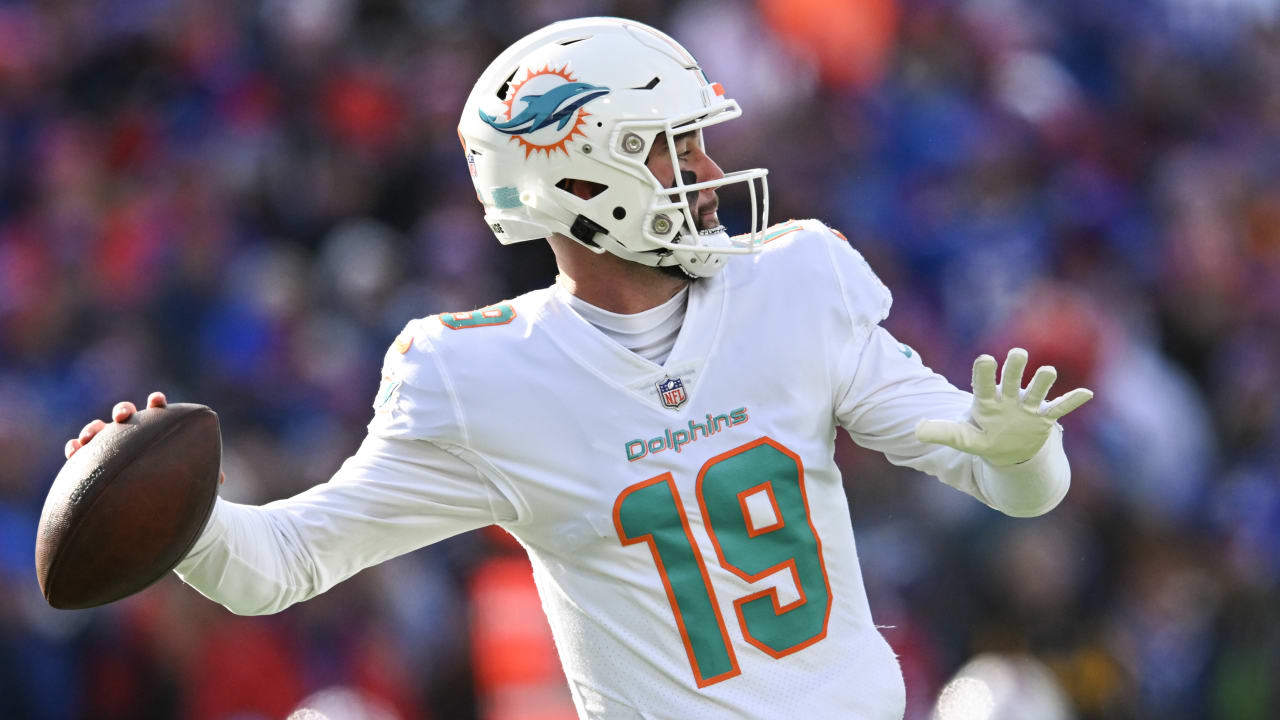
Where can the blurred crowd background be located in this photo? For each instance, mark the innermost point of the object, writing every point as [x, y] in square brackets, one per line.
[242, 202]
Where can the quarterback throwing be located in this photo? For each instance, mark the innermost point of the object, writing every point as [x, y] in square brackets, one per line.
[657, 429]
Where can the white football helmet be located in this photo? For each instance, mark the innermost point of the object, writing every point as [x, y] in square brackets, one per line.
[584, 100]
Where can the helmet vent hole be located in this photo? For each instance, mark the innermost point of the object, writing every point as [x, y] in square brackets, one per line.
[574, 40]
[584, 189]
[651, 84]
[619, 213]
[502, 89]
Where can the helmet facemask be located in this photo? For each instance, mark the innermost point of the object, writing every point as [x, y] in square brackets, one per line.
[670, 227]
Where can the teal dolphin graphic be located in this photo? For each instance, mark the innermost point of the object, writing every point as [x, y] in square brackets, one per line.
[540, 111]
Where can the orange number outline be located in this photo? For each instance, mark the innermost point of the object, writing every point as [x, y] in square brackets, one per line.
[778, 521]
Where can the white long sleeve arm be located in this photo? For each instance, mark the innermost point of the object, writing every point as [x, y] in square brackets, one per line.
[891, 391]
[393, 496]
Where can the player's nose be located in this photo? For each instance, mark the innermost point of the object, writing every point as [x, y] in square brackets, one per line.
[707, 168]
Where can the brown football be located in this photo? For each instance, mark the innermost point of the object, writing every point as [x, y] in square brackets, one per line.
[128, 506]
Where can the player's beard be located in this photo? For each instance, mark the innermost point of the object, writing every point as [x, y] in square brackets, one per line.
[704, 223]
[707, 221]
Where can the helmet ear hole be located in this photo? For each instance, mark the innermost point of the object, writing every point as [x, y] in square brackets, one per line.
[585, 189]
[619, 213]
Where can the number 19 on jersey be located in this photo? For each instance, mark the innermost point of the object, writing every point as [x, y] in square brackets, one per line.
[652, 512]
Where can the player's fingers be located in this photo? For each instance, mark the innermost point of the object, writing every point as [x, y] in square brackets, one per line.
[1039, 386]
[1011, 374]
[984, 377]
[961, 436]
[157, 400]
[88, 431]
[1067, 403]
[71, 447]
[123, 410]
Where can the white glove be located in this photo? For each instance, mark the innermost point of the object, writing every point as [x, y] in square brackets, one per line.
[1007, 425]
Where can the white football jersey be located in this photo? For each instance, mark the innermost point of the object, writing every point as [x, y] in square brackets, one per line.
[687, 524]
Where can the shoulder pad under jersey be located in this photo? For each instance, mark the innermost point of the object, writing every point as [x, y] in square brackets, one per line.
[414, 399]
[805, 247]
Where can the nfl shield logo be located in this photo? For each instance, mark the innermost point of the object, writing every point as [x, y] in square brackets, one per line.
[672, 392]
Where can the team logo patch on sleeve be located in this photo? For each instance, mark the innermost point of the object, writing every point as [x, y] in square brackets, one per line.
[671, 390]
[387, 391]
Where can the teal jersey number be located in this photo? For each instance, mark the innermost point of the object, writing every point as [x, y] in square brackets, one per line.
[752, 553]
[651, 512]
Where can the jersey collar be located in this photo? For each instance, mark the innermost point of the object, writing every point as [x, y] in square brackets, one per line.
[618, 366]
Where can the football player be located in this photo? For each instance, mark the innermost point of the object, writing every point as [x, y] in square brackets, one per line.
[657, 429]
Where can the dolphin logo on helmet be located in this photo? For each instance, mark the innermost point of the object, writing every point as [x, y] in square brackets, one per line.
[542, 110]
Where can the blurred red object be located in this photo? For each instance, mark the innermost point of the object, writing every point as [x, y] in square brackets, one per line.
[517, 670]
[850, 40]
[247, 666]
[362, 110]
[1059, 326]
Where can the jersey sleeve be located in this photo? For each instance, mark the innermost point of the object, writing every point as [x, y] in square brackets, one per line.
[883, 390]
[391, 497]
[410, 484]
[889, 391]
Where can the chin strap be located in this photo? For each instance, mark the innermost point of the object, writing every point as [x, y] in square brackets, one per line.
[581, 228]
[703, 264]
[585, 229]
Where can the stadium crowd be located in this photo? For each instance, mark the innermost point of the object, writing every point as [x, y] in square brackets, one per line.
[241, 204]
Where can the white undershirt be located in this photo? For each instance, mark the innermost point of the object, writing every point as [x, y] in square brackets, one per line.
[650, 334]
